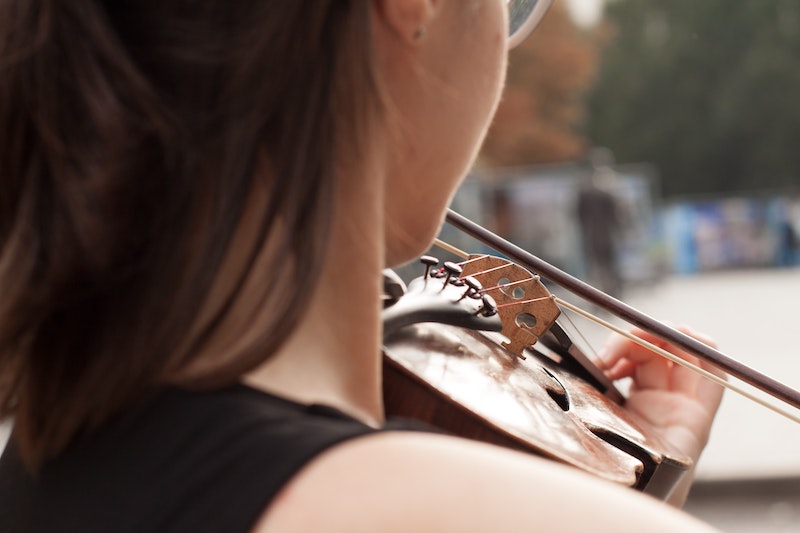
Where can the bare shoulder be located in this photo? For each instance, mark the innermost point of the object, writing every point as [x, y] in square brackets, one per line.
[420, 482]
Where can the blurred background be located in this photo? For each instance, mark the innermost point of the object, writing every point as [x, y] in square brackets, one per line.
[650, 148]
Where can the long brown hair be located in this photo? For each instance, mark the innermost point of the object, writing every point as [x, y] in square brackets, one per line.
[132, 134]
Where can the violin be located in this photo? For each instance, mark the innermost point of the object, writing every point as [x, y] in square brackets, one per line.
[478, 349]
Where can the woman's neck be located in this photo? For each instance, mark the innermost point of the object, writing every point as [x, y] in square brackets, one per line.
[334, 357]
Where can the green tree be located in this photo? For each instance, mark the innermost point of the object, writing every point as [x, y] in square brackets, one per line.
[708, 90]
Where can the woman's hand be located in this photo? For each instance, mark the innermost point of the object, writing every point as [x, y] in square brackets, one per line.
[676, 401]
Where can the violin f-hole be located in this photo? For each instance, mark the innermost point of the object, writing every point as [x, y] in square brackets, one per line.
[556, 390]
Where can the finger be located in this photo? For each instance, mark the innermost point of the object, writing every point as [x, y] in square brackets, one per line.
[710, 393]
[688, 380]
[625, 358]
[621, 369]
[621, 347]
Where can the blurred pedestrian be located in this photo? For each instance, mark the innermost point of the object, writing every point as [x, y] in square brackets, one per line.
[599, 218]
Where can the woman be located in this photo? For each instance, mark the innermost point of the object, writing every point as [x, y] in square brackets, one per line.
[199, 198]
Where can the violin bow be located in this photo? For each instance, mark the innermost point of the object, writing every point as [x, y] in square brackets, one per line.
[635, 317]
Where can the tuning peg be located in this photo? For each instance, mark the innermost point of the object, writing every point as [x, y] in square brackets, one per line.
[429, 261]
[489, 305]
[452, 270]
[474, 288]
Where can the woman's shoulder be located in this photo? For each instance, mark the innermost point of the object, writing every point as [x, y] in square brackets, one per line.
[411, 481]
[180, 461]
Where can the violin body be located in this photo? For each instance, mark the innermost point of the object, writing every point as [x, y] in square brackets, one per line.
[528, 390]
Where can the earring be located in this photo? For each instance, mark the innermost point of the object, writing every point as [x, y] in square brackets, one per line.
[419, 33]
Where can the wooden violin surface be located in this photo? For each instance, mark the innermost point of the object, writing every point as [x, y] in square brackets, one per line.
[466, 383]
[483, 386]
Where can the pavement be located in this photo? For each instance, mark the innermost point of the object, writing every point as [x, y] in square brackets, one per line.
[748, 479]
[753, 316]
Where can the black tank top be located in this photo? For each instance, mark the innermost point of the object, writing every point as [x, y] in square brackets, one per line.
[183, 462]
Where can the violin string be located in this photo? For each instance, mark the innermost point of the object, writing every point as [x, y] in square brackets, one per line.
[655, 349]
[468, 261]
[464, 255]
[452, 249]
[677, 360]
[501, 267]
[585, 344]
[532, 300]
[503, 286]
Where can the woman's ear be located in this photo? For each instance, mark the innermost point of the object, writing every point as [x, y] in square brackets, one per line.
[406, 19]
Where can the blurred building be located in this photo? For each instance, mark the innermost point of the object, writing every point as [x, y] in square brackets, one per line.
[537, 209]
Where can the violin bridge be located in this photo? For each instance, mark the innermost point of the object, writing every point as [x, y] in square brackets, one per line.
[526, 307]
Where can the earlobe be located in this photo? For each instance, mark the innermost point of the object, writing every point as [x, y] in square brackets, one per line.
[407, 19]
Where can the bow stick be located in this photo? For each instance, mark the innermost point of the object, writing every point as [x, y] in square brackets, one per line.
[704, 352]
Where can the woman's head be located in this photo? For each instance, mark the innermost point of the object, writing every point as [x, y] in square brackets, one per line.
[132, 136]
[167, 165]
[443, 67]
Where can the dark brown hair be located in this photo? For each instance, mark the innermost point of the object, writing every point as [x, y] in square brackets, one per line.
[132, 134]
